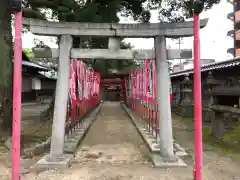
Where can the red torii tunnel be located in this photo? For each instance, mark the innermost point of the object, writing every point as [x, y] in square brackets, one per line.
[114, 86]
[119, 84]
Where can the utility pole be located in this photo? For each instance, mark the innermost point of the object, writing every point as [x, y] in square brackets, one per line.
[179, 42]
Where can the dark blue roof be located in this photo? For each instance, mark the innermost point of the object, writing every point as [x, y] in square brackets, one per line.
[209, 67]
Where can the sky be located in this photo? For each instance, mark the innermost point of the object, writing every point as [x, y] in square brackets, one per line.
[214, 39]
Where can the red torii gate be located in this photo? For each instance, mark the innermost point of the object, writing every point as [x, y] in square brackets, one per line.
[116, 80]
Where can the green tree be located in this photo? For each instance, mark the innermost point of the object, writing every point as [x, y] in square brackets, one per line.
[6, 66]
[28, 52]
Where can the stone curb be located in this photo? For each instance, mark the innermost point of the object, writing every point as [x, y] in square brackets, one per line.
[38, 149]
[34, 103]
[76, 138]
[153, 146]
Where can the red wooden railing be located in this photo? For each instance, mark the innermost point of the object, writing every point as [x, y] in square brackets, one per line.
[142, 95]
[84, 93]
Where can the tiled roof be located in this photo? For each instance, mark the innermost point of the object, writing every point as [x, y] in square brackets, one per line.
[42, 76]
[34, 65]
[209, 67]
[27, 62]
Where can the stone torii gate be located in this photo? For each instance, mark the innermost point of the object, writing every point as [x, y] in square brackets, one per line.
[66, 30]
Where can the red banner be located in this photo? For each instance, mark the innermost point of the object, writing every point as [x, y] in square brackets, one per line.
[72, 82]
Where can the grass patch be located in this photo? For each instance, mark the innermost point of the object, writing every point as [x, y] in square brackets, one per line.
[229, 144]
[31, 134]
[188, 121]
[3, 148]
[36, 134]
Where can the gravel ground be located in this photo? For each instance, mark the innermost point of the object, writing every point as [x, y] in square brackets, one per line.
[216, 165]
[113, 150]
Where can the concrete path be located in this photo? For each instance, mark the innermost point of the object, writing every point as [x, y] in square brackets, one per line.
[113, 139]
[112, 150]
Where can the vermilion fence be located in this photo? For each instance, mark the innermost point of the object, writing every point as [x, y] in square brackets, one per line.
[84, 88]
[142, 94]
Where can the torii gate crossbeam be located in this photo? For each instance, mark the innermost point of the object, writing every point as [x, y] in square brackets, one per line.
[121, 54]
[143, 30]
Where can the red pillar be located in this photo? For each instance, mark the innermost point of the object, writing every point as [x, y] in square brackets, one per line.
[17, 97]
[197, 102]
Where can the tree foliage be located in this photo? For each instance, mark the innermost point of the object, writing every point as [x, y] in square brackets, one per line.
[108, 11]
[6, 52]
[28, 52]
[178, 10]
[103, 10]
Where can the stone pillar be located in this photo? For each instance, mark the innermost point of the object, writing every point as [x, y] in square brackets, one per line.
[61, 97]
[114, 43]
[163, 100]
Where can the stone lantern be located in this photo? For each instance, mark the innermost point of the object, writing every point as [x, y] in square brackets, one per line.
[208, 114]
[211, 83]
[186, 104]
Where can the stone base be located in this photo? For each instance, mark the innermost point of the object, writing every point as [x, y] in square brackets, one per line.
[48, 162]
[160, 162]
